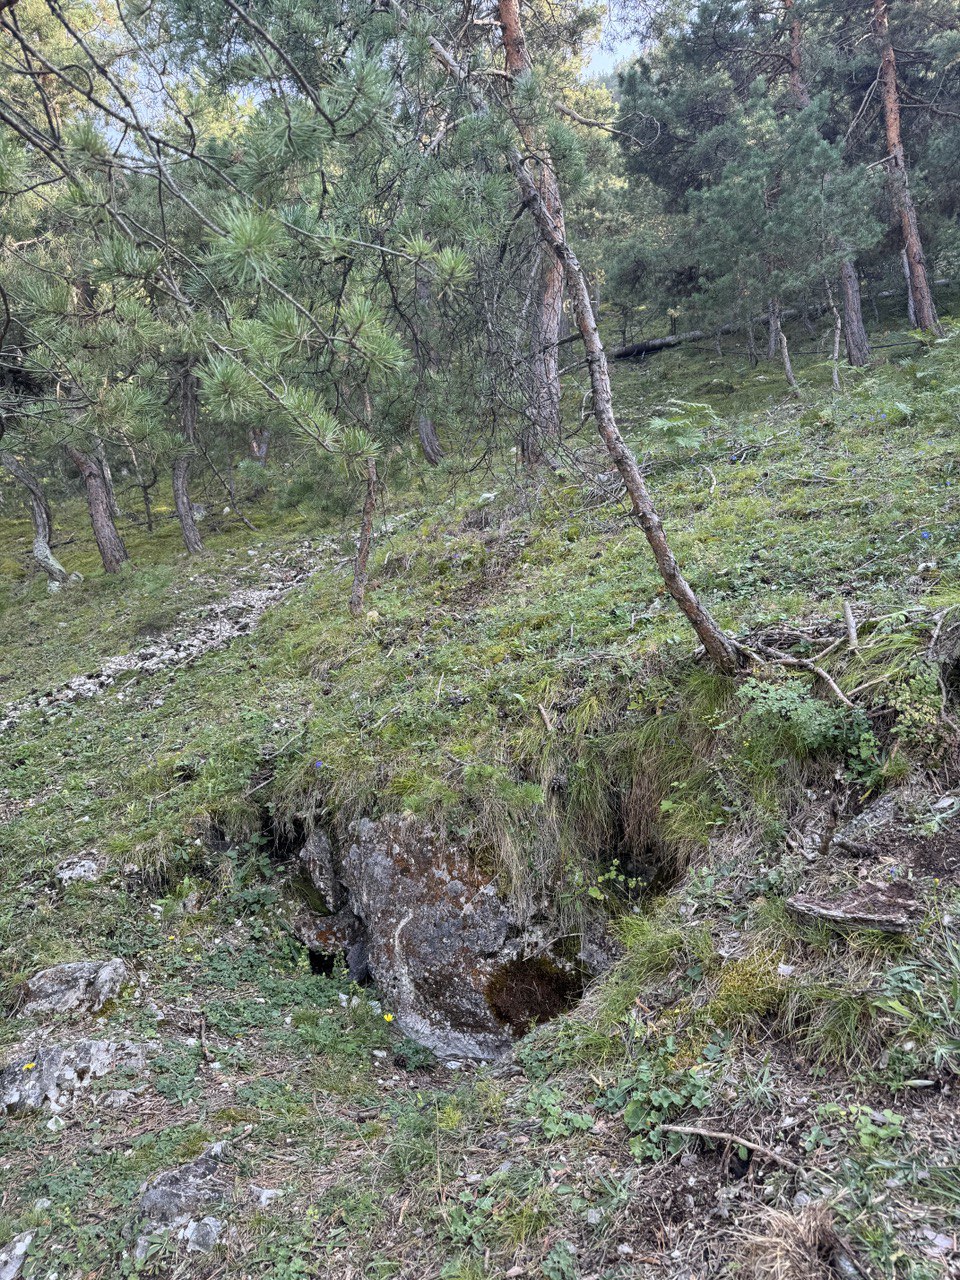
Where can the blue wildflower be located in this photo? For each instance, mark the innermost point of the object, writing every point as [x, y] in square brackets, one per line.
[924, 534]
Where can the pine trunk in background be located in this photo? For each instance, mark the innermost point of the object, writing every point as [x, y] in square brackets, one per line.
[902, 200]
[112, 551]
[366, 540]
[426, 430]
[911, 309]
[837, 331]
[100, 454]
[773, 329]
[181, 467]
[259, 438]
[855, 335]
[787, 365]
[42, 521]
[547, 320]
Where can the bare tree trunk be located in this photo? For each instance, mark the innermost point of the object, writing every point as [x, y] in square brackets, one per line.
[144, 485]
[42, 522]
[902, 200]
[752, 354]
[798, 85]
[181, 466]
[366, 540]
[112, 551]
[911, 309]
[787, 366]
[100, 454]
[855, 335]
[544, 425]
[837, 327]
[773, 329]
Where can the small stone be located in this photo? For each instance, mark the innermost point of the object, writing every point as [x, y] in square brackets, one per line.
[202, 1236]
[12, 1256]
[263, 1197]
[83, 867]
[939, 1242]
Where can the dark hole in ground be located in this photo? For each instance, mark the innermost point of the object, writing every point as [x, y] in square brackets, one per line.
[324, 963]
[523, 993]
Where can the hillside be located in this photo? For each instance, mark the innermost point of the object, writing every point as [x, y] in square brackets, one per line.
[731, 902]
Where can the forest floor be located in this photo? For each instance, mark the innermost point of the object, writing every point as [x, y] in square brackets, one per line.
[516, 641]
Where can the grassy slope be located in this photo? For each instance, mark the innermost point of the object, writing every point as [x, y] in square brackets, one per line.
[481, 613]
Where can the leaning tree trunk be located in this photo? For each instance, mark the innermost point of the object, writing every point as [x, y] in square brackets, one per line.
[112, 551]
[360, 565]
[721, 649]
[181, 466]
[855, 334]
[727, 656]
[544, 406]
[42, 522]
[902, 200]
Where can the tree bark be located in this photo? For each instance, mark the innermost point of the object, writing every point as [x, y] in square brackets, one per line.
[360, 564]
[109, 542]
[798, 86]
[911, 309]
[773, 329]
[902, 200]
[181, 466]
[42, 521]
[100, 454]
[544, 407]
[787, 365]
[855, 334]
[837, 329]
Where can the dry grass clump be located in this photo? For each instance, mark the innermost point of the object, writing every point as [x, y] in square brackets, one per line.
[802, 1245]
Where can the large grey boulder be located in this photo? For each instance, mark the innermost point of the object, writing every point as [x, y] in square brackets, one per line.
[86, 984]
[53, 1074]
[177, 1201]
[457, 967]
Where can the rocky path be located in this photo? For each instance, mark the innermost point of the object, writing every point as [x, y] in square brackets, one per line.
[213, 627]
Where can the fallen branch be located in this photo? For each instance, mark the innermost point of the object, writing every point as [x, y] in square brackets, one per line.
[851, 624]
[786, 660]
[715, 1135]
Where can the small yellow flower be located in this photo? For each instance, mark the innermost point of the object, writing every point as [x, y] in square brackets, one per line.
[29, 1066]
[388, 1017]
